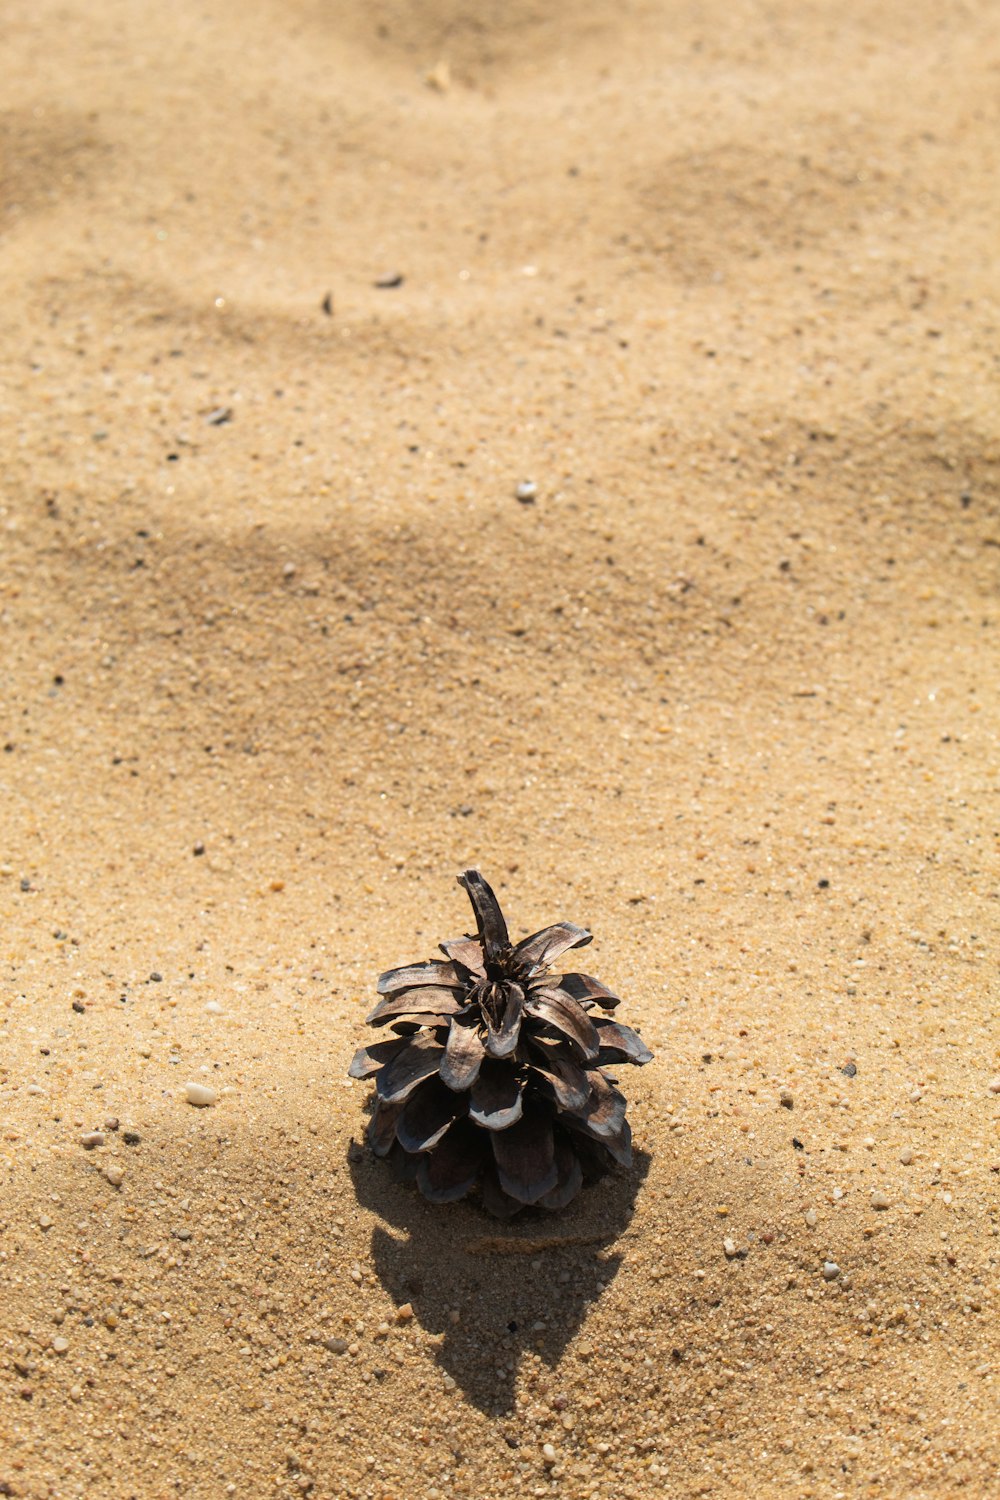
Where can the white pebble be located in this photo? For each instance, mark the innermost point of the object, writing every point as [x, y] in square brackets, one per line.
[115, 1176]
[729, 1246]
[200, 1094]
[810, 1217]
[91, 1139]
[59, 1344]
[880, 1199]
[526, 490]
[213, 1007]
[906, 1156]
[549, 1453]
[830, 1270]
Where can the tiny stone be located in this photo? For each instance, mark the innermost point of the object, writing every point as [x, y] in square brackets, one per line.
[335, 1346]
[404, 1313]
[830, 1270]
[729, 1246]
[182, 1234]
[200, 1094]
[810, 1217]
[786, 1099]
[45, 1222]
[526, 491]
[115, 1176]
[91, 1139]
[879, 1199]
[213, 1007]
[198, 849]
[906, 1156]
[869, 1143]
[111, 1123]
[549, 1453]
[995, 1086]
[59, 1344]
[131, 1137]
[111, 1320]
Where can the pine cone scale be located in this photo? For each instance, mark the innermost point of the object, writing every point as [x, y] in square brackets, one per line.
[419, 1059]
[566, 1016]
[411, 976]
[543, 948]
[464, 1053]
[427, 1114]
[525, 1158]
[495, 1102]
[429, 999]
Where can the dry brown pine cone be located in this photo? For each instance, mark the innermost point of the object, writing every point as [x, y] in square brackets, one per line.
[494, 1072]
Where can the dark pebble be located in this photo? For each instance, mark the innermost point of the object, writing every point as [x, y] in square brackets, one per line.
[156, 978]
[131, 1137]
[393, 279]
[823, 884]
[797, 1144]
[79, 1007]
[25, 883]
[849, 1069]
[199, 848]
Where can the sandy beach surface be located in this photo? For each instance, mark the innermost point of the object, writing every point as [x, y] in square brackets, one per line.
[294, 298]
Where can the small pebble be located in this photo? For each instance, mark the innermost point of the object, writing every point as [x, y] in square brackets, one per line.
[111, 1123]
[91, 1139]
[213, 1007]
[830, 1270]
[182, 1234]
[526, 491]
[880, 1199]
[906, 1156]
[995, 1086]
[404, 1313]
[810, 1217]
[729, 1246]
[200, 1094]
[115, 1176]
[45, 1222]
[549, 1454]
[59, 1344]
[131, 1137]
[786, 1099]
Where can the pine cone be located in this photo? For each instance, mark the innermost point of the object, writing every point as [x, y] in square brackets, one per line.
[494, 1072]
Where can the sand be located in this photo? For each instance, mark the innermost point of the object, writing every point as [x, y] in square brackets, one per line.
[283, 652]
